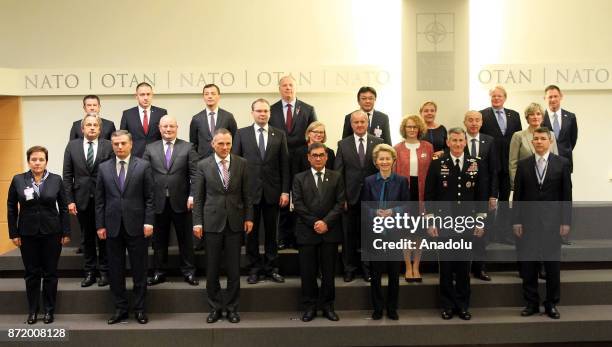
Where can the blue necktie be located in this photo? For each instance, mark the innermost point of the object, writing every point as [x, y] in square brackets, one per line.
[556, 125]
[501, 121]
[262, 145]
[122, 175]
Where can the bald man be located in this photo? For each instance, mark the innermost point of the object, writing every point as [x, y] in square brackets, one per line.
[173, 162]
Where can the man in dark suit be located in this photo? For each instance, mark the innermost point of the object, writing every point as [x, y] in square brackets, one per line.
[318, 199]
[542, 216]
[91, 104]
[482, 146]
[265, 149]
[563, 123]
[292, 116]
[378, 122]
[212, 117]
[223, 210]
[81, 160]
[125, 213]
[501, 123]
[173, 162]
[142, 121]
[456, 186]
[354, 163]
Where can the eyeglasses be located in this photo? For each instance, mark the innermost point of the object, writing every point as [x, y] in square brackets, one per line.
[318, 132]
[318, 156]
[411, 127]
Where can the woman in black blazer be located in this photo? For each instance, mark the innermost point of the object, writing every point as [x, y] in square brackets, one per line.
[38, 229]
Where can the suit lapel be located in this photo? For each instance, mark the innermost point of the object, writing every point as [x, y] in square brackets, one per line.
[114, 174]
[564, 124]
[82, 157]
[98, 152]
[131, 166]
[271, 137]
[175, 150]
[233, 171]
[296, 114]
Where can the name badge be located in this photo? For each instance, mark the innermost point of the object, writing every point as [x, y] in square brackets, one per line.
[29, 193]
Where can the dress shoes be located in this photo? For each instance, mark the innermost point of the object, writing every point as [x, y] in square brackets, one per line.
[103, 280]
[142, 318]
[309, 315]
[552, 312]
[32, 318]
[465, 315]
[276, 277]
[392, 314]
[446, 314]
[233, 317]
[482, 275]
[88, 280]
[282, 245]
[192, 280]
[156, 279]
[377, 315]
[331, 315]
[117, 317]
[252, 279]
[349, 277]
[213, 316]
[530, 311]
[48, 318]
[367, 277]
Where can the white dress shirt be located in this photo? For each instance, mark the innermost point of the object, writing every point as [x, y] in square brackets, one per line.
[86, 147]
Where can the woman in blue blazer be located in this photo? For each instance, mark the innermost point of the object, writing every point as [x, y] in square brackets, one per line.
[38, 224]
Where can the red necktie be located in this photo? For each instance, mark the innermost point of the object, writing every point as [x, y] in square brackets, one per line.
[289, 121]
[145, 121]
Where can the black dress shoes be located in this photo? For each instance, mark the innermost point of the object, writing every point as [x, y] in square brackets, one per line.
[465, 315]
[48, 318]
[367, 277]
[88, 280]
[142, 318]
[446, 314]
[349, 277]
[331, 315]
[252, 279]
[392, 314]
[552, 312]
[282, 245]
[156, 279]
[276, 277]
[103, 280]
[32, 319]
[117, 317]
[530, 311]
[213, 316]
[309, 315]
[233, 317]
[192, 280]
[482, 275]
[377, 315]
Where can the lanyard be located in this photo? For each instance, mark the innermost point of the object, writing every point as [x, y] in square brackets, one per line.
[541, 174]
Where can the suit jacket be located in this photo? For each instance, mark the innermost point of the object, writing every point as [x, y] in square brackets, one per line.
[268, 177]
[108, 128]
[424, 157]
[214, 207]
[176, 180]
[556, 192]
[487, 152]
[303, 115]
[568, 135]
[521, 148]
[134, 206]
[379, 124]
[310, 206]
[130, 121]
[43, 215]
[347, 164]
[79, 180]
[199, 130]
[502, 142]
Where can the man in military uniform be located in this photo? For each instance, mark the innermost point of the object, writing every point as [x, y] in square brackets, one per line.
[456, 186]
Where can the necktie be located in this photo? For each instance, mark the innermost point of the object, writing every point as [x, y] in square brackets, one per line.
[225, 173]
[361, 152]
[457, 167]
[212, 123]
[122, 175]
[168, 154]
[473, 151]
[541, 170]
[556, 125]
[262, 144]
[369, 120]
[320, 182]
[501, 121]
[289, 121]
[90, 156]
[145, 121]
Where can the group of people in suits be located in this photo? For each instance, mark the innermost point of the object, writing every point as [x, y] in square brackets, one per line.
[130, 185]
